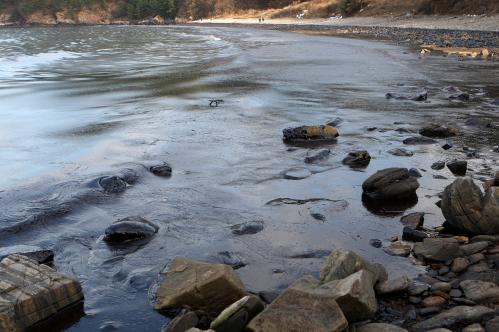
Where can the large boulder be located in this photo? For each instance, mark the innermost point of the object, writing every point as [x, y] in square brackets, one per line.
[198, 286]
[32, 292]
[129, 229]
[301, 308]
[467, 209]
[437, 249]
[307, 133]
[343, 263]
[454, 318]
[390, 183]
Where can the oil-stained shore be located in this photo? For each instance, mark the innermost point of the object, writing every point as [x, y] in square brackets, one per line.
[89, 119]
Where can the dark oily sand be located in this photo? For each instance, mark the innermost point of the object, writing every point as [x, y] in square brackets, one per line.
[134, 96]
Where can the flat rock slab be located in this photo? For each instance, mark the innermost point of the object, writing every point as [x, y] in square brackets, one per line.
[437, 249]
[459, 316]
[198, 286]
[31, 292]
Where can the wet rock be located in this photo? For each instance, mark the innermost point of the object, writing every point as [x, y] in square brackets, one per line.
[318, 216]
[418, 288]
[231, 259]
[441, 286]
[455, 293]
[413, 235]
[130, 229]
[393, 286]
[467, 209]
[401, 152]
[423, 96]
[390, 183]
[247, 228]
[458, 167]
[459, 265]
[320, 253]
[413, 220]
[434, 301]
[438, 131]
[32, 292]
[492, 325]
[336, 122]
[199, 286]
[447, 146]
[343, 263]
[318, 157]
[300, 308]
[398, 249]
[437, 249]
[429, 311]
[376, 243]
[238, 315]
[460, 96]
[415, 173]
[307, 133]
[439, 177]
[455, 317]
[112, 184]
[357, 159]
[480, 291]
[41, 256]
[415, 300]
[379, 327]
[488, 238]
[161, 170]
[474, 328]
[182, 322]
[475, 258]
[418, 140]
[473, 248]
[438, 165]
[297, 173]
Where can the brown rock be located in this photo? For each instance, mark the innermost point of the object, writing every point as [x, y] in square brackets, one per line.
[480, 291]
[398, 249]
[437, 249]
[474, 328]
[459, 264]
[434, 301]
[305, 133]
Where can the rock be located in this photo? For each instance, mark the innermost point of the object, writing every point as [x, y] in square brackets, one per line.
[300, 308]
[458, 167]
[474, 328]
[488, 238]
[418, 288]
[199, 286]
[429, 311]
[423, 96]
[438, 131]
[418, 140]
[415, 173]
[320, 156]
[434, 301]
[32, 292]
[306, 133]
[441, 286]
[231, 259]
[455, 317]
[467, 209]
[129, 229]
[357, 159]
[238, 315]
[112, 184]
[460, 96]
[459, 265]
[379, 327]
[473, 248]
[415, 300]
[475, 258]
[161, 170]
[398, 249]
[438, 165]
[376, 243]
[401, 152]
[413, 235]
[392, 286]
[297, 173]
[492, 325]
[343, 263]
[247, 228]
[182, 322]
[437, 249]
[390, 183]
[413, 220]
[447, 146]
[268, 296]
[41, 256]
[480, 291]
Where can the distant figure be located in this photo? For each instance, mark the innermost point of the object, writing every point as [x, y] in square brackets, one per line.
[263, 19]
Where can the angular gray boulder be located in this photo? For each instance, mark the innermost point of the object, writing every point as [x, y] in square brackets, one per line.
[390, 183]
[467, 209]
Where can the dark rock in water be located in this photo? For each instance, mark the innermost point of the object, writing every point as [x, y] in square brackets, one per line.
[161, 170]
[458, 167]
[129, 229]
[437, 249]
[335, 122]
[182, 322]
[320, 156]
[415, 173]
[319, 253]
[438, 131]
[357, 159]
[318, 216]
[401, 152]
[250, 227]
[467, 209]
[413, 220]
[231, 259]
[423, 96]
[235, 317]
[391, 183]
[112, 184]
[376, 243]
[461, 96]
[297, 174]
[418, 140]
[410, 234]
[438, 165]
[306, 133]
[37, 254]
[439, 177]
[447, 146]
[372, 128]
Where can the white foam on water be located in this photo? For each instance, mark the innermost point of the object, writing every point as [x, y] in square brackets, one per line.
[18, 63]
